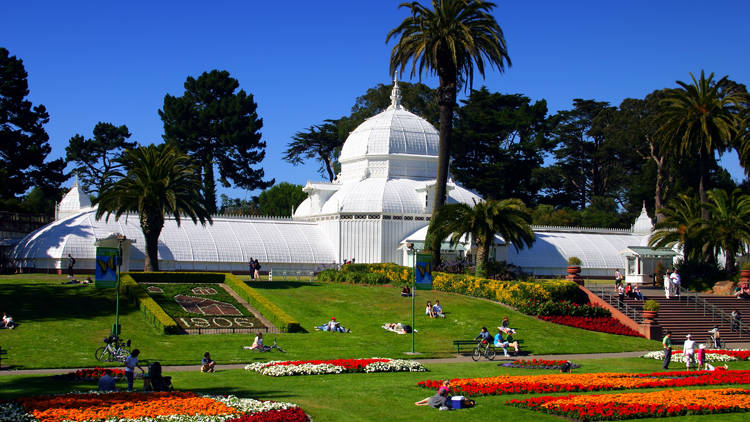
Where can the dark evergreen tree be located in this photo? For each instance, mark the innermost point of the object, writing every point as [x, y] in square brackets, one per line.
[94, 158]
[24, 143]
[217, 126]
[279, 200]
[499, 145]
[320, 142]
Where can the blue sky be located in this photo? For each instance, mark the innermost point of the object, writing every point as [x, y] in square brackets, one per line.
[307, 61]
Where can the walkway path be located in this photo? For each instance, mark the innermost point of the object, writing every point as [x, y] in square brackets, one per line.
[276, 356]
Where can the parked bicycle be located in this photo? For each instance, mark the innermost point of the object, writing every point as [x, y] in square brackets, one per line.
[274, 346]
[115, 350]
[483, 348]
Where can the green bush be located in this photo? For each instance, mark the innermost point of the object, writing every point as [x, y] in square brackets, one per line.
[279, 318]
[574, 261]
[369, 274]
[566, 308]
[153, 312]
[651, 305]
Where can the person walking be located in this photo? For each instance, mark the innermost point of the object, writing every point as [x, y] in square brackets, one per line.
[736, 319]
[688, 350]
[71, 263]
[667, 284]
[667, 343]
[130, 364]
[251, 265]
[618, 278]
[676, 282]
[716, 337]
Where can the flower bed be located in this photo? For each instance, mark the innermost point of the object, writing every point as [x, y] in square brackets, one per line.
[641, 405]
[91, 374]
[711, 355]
[507, 384]
[539, 364]
[600, 324]
[336, 366]
[137, 407]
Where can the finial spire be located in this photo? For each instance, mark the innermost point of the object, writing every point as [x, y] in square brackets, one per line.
[395, 94]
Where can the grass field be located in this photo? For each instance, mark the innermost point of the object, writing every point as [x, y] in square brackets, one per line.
[61, 325]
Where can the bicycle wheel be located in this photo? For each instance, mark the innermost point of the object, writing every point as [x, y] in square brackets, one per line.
[122, 354]
[490, 353]
[477, 353]
[99, 353]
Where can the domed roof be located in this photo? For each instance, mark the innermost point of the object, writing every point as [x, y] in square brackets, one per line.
[381, 145]
[74, 200]
[387, 196]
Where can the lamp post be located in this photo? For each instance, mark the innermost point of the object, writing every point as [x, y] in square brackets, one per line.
[116, 328]
[413, 290]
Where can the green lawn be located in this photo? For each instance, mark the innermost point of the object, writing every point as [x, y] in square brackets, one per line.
[61, 325]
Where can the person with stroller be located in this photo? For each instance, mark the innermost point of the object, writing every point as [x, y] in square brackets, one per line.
[158, 382]
[130, 364]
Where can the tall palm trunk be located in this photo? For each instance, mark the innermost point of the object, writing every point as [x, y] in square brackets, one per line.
[482, 255]
[703, 173]
[151, 225]
[447, 101]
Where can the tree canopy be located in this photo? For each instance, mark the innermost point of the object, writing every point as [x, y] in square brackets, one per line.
[155, 182]
[217, 125]
[24, 145]
[94, 159]
[280, 199]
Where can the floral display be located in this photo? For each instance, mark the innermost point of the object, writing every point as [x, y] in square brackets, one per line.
[507, 384]
[601, 324]
[641, 405]
[335, 366]
[539, 364]
[143, 407]
[91, 374]
[712, 356]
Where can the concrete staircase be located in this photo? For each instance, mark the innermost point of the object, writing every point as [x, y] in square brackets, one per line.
[690, 313]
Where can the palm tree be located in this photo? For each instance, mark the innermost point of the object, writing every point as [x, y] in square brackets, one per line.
[450, 40]
[159, 181]
[702, 118]
[682, 224]
[509, 218]
[729, 227]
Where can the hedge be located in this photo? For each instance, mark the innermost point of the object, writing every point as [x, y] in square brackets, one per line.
[562, 308]
[154, 313]
[177, 277]
[369, 274]
[279, 318]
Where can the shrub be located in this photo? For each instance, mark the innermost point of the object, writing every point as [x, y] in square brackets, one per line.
[574, 261]
[153, 312]
[279, 318]
[369, 274]
[650, 305]
[514, 293]
[177, 277]
[562, 308]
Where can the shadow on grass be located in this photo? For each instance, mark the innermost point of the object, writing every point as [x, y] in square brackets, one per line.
[12, 387]
[277, 285]
[39, 302]
[244, 392]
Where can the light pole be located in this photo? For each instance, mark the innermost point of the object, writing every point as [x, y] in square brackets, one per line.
[413, 290]
[116, 328]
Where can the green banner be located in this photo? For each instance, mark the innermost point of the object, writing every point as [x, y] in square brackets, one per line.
[106, 267]
[424, 272]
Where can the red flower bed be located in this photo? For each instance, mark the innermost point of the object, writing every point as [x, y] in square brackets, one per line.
[294, 414]
[92, 373]
[601, 324]
[640, 405]
[350, 364]
[506, 384]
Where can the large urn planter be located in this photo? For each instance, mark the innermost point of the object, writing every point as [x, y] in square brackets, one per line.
[744, 276]
[650, 310]
[574, 274]
[648, 316]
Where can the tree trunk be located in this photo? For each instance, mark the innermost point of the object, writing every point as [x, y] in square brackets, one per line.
[209, 187]
[329, 168]
[705, 213]
[151, 225]
[482, 255]
[446, 101]
[730, 263]
[659, 181]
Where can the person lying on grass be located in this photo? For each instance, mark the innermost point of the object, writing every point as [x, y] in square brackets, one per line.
[439, 400]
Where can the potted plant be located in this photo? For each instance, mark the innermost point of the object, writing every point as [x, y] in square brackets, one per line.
[745, 273]
[574, 269]
[650, 309]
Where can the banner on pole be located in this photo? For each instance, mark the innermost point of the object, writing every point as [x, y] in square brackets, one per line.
[424, 272]
[106, 268]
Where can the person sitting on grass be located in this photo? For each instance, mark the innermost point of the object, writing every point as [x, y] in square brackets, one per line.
[107, 381]
[429, 310]
[257, 342]
[207, 364]
[439, 400]
[437, 310]
[406, 292]
[333, 326]
[8, 321]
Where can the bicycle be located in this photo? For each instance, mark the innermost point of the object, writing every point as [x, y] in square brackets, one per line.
[487, 350]
[113, 351]
[274, 346]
